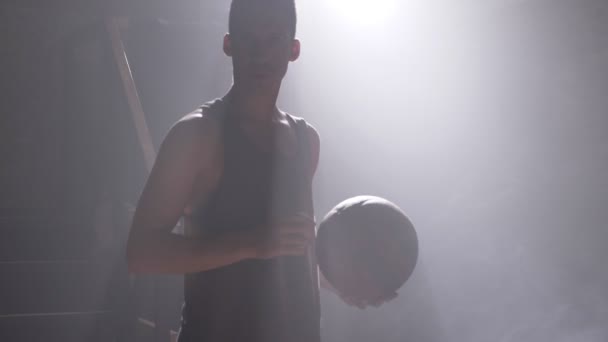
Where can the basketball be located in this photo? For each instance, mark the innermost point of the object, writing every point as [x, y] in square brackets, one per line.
[366, 247]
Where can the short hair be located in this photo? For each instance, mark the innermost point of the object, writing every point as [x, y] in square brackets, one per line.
[289, 6]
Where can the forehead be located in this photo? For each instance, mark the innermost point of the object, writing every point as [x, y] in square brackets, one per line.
[268, 17]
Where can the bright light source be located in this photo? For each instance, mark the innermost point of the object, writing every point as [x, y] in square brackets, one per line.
[363, 12]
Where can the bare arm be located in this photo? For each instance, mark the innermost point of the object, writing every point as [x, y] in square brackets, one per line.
[190, 149]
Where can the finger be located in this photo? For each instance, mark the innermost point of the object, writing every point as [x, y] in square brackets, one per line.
[360, 305]
[296, 239]
[353, 302]
[385, 299]
[293, 227]
[299, 218]
[300, 240]
[305, 216]
[292, 237]
[292, 249]
[377, 303]
[305, 233]
[391, 296]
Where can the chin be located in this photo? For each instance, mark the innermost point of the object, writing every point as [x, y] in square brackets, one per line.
[263, 82]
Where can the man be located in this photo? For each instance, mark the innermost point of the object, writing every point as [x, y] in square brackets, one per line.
[239, 170]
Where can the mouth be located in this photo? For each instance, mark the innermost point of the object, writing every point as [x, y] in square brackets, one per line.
[261, 74]
[260, 71]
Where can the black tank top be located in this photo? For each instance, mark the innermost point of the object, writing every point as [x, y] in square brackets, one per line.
[273, 300]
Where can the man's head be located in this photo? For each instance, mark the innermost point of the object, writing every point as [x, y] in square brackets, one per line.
[261, 40]
[240, 8]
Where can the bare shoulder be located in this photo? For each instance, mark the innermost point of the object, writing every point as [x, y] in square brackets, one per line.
[314, 136]
[193, 139]
[189, 148]
[312, 132]
[196, 126]
[315, 144]
[196, 130]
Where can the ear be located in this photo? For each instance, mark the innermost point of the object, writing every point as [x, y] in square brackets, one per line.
[295, 50]
[227, 45]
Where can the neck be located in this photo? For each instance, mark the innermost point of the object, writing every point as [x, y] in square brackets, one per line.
[256, 106]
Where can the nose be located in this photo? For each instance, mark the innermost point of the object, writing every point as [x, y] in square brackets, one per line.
[260, 52]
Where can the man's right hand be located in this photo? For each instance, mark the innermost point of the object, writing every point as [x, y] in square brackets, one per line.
[291, 236]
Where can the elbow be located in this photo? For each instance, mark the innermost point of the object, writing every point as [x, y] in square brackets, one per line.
[139, 251]
[135, 259]
[133, 265]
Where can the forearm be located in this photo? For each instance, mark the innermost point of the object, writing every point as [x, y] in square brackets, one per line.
[168, 253]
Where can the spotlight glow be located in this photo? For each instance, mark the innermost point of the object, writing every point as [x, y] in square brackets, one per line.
[363, 12]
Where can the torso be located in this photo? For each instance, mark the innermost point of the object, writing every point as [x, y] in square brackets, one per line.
[273, 300]
[207, 181]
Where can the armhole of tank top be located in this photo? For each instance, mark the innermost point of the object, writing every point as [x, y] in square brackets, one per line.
[304, 143]
[214, 113]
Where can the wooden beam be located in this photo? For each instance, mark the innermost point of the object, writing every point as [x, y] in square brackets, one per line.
[114, 25]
